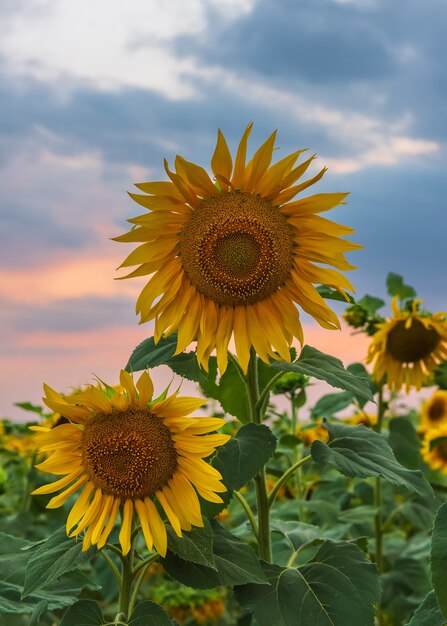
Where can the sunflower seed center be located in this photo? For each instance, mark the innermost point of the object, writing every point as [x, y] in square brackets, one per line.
[409, 345]
[437, 410]
[128, 454]
[237, 248]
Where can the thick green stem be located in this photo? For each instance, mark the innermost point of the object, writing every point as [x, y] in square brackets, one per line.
[378, 522]
[256, 415]
[126, 582]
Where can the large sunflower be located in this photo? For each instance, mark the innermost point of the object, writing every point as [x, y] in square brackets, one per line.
[233, 256]
[434, 410]
[434, 448]
[408, 347]
[127, 452]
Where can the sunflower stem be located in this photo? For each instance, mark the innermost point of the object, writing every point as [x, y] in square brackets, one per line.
[141, 568]
[378, 522]
[256, 415]
[127, 576]
[248, 512]
[285, 477]
[112, 566]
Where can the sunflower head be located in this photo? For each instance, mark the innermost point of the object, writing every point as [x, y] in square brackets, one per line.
[434, 410]
[124, 450]
[434, 448]
[232, 256]
[408, 347]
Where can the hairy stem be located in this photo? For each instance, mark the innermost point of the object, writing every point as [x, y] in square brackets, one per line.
[285, 477]
[248, 512]
[256, 415]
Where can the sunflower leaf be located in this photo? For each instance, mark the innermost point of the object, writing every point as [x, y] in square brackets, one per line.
[331, 403]
[241, 458]
[235, 561]
[438, 558]
[333, 294]
[428, 614]
[404, 442]
[149, 354]
[150, 613]
[337, 586]
[358, 452]
[56, 556]
[396, 287]
[312, 362]
[13, 561]
[195, 545]
[83, 613]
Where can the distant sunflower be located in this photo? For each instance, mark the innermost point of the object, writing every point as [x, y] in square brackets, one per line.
[126, 452]
[434, 448]
[434, 410]
[408, 347]
[234, 256]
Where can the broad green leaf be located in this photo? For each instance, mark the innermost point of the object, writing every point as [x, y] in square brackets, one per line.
[241, 458]
[358, 452]
[13, 560]
[331, 403]
[338, 587]
[428, 614]
[232, 394]
[83, 613]
[148, 354]
[288, 537]
[195, 546]
[438, 558]
[396, 287]
[56, 556]
[235, 561]
[333, 294]
[371, 303]
[147, 613]
[312, 362]
[186, 366]
[358, 369]
[404, 442]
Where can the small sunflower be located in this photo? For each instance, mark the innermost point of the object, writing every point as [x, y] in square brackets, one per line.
[232, 257]
[434, 448]
[127, 452]
[434, 411]
[408, 347]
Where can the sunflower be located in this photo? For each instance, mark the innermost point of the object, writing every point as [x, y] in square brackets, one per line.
[232, 257]
[434, 411]
[408, 347]
[126, 452]
[434, 448]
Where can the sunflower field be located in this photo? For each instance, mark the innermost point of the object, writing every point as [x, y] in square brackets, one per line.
[248, 504]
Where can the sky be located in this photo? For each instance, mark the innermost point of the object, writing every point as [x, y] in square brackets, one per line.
[94, 94]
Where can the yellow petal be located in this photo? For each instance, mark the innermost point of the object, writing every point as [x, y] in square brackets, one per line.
[239, 163]
[172, 517]
[221, 161]
[260, 162]
[126, 526]
[241, 339]
[110, 524]
[143, 517]
[145, 389]
[80, 507]
[158, 529]
[196, 176]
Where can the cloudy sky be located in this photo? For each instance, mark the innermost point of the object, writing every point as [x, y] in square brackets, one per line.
[93, 95]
